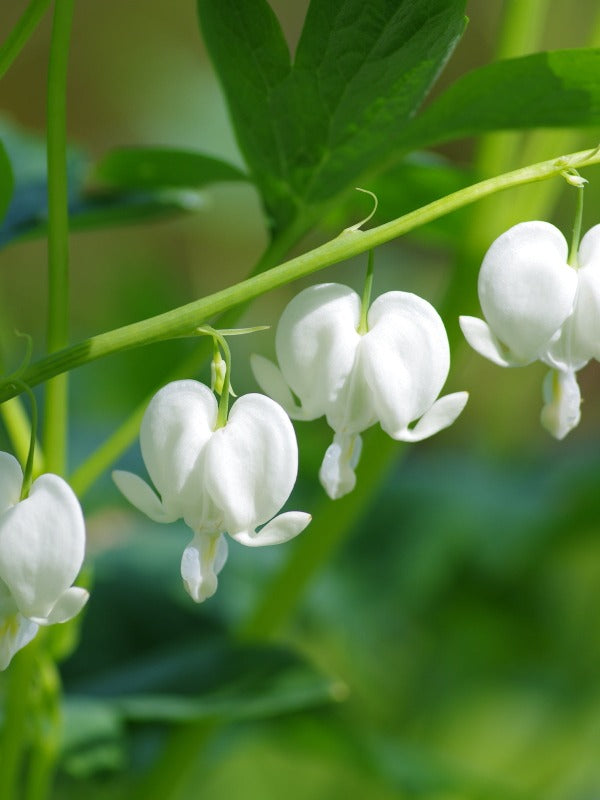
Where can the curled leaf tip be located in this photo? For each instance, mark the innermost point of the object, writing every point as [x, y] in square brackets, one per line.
[357, 226]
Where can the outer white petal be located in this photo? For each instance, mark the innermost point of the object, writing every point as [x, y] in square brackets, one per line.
[316, 342]
[405, 358]
[202, 560]
[441, 415]
[526, 287]
[251, 464]
[584, 323]
[142, 496]
[270, 379]
[67, 606]
[337, 474]
[280, 529]
[15, 632]
[562, 401]
[178, 422]
[11, 481]
[42, 542]
[479, 335]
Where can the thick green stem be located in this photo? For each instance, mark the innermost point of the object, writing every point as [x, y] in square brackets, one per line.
[185, 319]
[16, 39]
[55, 416]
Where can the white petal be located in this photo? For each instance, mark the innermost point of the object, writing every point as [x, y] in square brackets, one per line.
[280, 529]
[177, 424]
[270, 379]
[316, 342]
[67, 606]
[11, 481]
[202, 560]
[526, 287]
[42, 541]
[405, 358]
[562, 399]
[141, 496]
[480, 337]
[15, 632]
[441, 415]
[251, 464]
[337, 470]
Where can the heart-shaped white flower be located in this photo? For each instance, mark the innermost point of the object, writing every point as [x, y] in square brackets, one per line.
[42, 543]
[231, 479]
[391, 374]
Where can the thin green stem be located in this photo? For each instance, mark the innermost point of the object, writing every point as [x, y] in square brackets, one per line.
[18, 427]
[185, 319]
[16, 39]
[576, 235]
[28, 471]
[363, 325]
[221, 342]
[55, 412]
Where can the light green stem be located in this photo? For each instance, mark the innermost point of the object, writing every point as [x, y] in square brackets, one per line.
[16, 39]
[185, 319]
[55, 410]
[576, 236]
[363, 325]
[18, 428]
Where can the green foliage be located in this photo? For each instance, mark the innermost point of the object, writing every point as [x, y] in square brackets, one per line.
[309, 129]
[157, 168]
[543, 90]
[6, 181]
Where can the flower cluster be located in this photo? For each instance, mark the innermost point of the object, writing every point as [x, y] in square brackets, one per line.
[538, 306]
[391, 372]
[233, 478]
[42, 542]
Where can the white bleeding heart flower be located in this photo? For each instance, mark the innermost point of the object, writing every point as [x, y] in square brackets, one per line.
[537, 306]
[230, 479]
[391, 373]
[42, 543]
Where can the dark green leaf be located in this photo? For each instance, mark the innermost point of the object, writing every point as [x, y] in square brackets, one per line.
[307, 130]
[6, 181]
[543, 90]
[152, 168]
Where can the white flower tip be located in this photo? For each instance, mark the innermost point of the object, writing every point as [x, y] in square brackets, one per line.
[479, 335]
[562, 400]
[270, 379]
[202, 560]
[441, 415]
[280, 529]
[337, 474]
[140, 495]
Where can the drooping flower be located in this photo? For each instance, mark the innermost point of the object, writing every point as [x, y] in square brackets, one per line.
[42, 543]
[538, 306]
[391, 373]
[230, 479]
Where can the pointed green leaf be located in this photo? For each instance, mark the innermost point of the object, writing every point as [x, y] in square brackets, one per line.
[156, 168]
[308, 130]
[543, 90]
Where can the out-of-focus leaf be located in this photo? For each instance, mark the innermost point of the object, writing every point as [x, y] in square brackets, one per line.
[543, 90]
[12, 45]
[93, 737]
[27, 212]
[6, 181]
[307, 130]
[157, 168]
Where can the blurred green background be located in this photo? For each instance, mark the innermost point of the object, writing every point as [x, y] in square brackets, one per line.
[453, 629]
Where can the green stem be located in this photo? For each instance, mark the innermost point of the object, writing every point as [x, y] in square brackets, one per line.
[16, 39]
[28, 471]
[47, 730]
[363, 325]
[185, 319]
[220, 340]
[55, 412]
[18, 428]
[576, 236]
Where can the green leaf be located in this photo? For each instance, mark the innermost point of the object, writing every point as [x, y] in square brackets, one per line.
[6, 181]
[361, 70]
[543, 90]
[153, 167]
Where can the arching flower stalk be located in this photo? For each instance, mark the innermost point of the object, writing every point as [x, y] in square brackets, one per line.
[42, 543]
[219, 472]
[357, 366]
[541, 303]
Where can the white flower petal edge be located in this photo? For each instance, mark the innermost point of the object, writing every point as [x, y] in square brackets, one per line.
[479, 335]
[231, 479]
[562, 401]
[42, 542]
[441, 415]
[280, 529]
[271, 381]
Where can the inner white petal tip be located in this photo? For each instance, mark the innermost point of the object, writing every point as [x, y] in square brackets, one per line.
[337, 474]
[562, 403]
